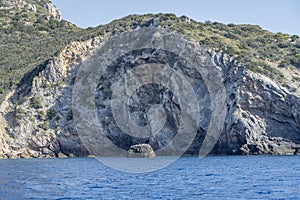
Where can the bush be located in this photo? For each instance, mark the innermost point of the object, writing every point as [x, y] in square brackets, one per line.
[20, 113]
[45, 126]
[36, 102]
[283, 45]
[51, 113]
[283, 63]
[208, 22]
[294, 38]
[41, 115]
[295, 61]
[230, 35]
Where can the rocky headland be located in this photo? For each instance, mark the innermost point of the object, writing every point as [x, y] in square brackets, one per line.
[262, 96]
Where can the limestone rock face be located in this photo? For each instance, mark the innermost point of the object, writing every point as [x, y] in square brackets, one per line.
[262, 119]
[141, 151]
[53, 11]
[36, 120]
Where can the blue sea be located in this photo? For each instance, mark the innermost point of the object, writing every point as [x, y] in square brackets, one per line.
[216, 177]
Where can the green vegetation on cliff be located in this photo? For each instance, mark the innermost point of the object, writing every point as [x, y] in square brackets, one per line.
[29, 37]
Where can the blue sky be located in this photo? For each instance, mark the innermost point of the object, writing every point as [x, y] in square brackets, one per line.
[273, 15]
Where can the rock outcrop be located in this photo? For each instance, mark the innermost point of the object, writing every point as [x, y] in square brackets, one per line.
[37, 119]
[262, 117]
[52, 13]
[141, 151]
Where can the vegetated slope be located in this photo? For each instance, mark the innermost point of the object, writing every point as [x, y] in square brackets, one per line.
[31, 33]
[28, 37]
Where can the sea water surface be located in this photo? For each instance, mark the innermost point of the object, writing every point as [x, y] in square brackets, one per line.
[218, 177]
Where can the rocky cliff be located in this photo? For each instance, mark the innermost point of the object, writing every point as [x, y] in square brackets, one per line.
[262, 113]
[39, 111]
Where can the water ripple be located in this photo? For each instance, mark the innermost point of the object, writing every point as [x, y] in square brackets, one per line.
[221, 177]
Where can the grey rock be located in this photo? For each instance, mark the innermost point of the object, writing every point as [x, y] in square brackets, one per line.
[262, 117]
[61, 155]
[34, 133]
[31, 7]
[53, 11]
[141, 151]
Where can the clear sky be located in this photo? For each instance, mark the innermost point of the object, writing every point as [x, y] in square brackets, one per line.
[273, 15]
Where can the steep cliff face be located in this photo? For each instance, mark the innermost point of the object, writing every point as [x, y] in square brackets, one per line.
[39, 111]
[262, 118]
[37, 119]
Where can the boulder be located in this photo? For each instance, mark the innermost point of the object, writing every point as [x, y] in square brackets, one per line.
[141, 151]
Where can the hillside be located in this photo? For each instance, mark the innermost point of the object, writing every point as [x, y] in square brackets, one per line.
[38, 49]
[32, 33]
